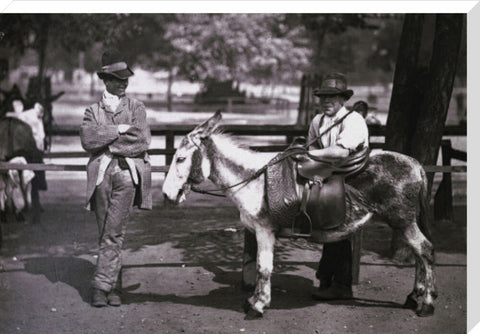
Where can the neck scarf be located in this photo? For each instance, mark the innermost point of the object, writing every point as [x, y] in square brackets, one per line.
[110, 100]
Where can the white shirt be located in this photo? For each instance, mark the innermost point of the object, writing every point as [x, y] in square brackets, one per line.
[349, 134]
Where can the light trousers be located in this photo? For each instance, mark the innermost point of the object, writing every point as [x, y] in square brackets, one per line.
[113, 202]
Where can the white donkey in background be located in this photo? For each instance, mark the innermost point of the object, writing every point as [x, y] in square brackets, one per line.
[34, 118]
[16, 187]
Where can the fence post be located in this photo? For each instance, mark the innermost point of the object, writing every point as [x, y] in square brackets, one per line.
[169, 144]
[443, 201]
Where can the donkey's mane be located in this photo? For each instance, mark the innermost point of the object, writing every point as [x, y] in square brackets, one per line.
[239, 153]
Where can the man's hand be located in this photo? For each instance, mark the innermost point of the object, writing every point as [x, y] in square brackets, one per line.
[122, 128]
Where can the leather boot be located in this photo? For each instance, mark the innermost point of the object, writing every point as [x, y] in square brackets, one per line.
[114, 298]
[325, 282]
[334, 292]
[99, 298]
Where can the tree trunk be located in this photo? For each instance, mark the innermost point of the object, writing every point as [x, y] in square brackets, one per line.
[273, 86]
[92, 84]
[41, 56]
[320, 37]
[169, 90]
[42, 46]
[430, 125]
[399, 121]
[400, 115]
[421, 96]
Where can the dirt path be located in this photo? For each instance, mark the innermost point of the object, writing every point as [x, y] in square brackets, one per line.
[181, 274]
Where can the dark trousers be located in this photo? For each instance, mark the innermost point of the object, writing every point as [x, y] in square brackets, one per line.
[113, 201]
[336, 263]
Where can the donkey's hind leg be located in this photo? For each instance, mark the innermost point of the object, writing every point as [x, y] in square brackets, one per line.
[418, 287]
[425, 281]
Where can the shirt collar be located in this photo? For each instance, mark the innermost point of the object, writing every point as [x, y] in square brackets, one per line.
[342, 112]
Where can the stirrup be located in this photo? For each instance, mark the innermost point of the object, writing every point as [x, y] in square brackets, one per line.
[302, 219]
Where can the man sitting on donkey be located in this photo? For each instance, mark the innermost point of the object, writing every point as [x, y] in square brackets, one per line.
[335, 135]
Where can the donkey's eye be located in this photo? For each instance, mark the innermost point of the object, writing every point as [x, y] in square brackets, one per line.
[180, 159]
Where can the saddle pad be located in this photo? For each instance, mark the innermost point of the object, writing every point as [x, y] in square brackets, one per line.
[281, 197]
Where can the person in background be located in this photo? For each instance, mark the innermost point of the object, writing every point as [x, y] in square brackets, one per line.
[347, 137]
[361, 107]
[116, 134]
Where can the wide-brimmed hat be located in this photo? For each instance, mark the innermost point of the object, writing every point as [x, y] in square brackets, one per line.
[334, 84]
[114, 65]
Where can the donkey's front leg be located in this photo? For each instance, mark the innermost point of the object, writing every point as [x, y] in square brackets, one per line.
[262, 295]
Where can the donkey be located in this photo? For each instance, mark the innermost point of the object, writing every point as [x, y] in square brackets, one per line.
[394, 183]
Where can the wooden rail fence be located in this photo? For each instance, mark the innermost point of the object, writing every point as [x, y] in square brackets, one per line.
[289, 131]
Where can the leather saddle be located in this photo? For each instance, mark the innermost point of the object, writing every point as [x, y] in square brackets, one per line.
[323, 205]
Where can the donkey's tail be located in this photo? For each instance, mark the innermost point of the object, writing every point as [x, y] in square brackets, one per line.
[424, 212]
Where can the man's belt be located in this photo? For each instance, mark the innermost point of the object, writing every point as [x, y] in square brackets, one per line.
[122, 163]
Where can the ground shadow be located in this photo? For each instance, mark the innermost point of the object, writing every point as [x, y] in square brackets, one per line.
[72, 271]
[288, 292]
[204, 235]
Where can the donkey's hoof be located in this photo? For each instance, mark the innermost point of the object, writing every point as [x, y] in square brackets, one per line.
[426, 310]
[410, 303]
[253, 314]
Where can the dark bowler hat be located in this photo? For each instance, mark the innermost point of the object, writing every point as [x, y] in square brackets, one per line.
[114, 65]
[334, 84]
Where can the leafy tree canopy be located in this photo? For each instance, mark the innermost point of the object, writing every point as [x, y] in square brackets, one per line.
[236, 46]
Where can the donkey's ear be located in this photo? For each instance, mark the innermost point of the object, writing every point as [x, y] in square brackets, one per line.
[206, 128]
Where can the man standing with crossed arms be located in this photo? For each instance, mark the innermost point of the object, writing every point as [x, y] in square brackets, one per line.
[116, 134]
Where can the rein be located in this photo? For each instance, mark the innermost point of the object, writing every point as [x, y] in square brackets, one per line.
[288, 152]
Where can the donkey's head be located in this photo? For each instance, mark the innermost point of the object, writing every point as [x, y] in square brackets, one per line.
[190, 164]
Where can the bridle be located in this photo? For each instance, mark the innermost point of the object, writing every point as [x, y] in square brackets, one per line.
[288, 152]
